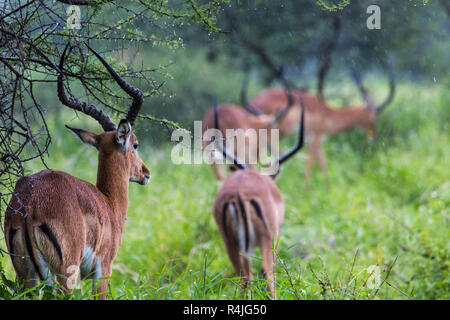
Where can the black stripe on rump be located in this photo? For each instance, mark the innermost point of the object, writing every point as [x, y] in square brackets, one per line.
[244, 217]
[224, 217]
[11, 234]
[30, 251]
[258, 210]
[51, 236]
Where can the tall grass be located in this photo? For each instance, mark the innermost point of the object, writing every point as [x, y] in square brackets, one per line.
[386, 205]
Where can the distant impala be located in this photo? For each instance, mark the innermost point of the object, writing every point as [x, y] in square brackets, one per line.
[249, 212]
[57, 224]
[321, 120]
[234, 117]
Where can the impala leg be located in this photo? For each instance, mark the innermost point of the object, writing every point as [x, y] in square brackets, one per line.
[101, 278]
[102, 287]
[315, 152]
[309, 163]
[267, 265]
[246, 271]
[217, 171]
[26, 274]
[68, 275]
[323, 163]
[237, 261]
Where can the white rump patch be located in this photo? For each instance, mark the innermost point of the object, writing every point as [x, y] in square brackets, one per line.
[238, 227]
[86, 265]
[239, 230]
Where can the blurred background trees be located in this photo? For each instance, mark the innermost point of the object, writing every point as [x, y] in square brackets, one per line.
[295, 34]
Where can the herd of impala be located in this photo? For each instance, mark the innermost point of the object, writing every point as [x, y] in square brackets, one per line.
[56, 223]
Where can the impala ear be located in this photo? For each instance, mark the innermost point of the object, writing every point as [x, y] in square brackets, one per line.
[85, 136]
[123, 134]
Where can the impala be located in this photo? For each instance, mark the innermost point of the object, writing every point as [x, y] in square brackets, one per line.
[249, 213]
[321, 120]
[239, 121]
[57, 224]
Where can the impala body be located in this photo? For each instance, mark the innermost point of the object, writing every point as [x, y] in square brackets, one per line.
[234, 117]
[321, 120]
[241, 120]
[58, 226]
[56, 221]
[249, 213]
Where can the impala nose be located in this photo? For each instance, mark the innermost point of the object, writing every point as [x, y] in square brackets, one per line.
[146, 179]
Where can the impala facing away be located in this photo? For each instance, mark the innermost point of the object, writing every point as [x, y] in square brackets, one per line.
[57, 225]
[240, 120]
[249, 212]
[321, 120]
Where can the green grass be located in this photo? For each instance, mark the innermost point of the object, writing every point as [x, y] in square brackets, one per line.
[386, 204]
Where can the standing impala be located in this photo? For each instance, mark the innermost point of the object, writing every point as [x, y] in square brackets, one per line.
[321, 120]
[240, 120]
[249, 212]
[57, 224]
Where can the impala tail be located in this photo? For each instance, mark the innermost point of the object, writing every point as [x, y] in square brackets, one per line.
[239, 217]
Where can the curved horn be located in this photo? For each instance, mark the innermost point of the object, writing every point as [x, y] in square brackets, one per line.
[290, 101]
[135, 93]
[224, 150]
[365, 95]
[249, 107]
[391, 90]
[301, 140]
[84, 107]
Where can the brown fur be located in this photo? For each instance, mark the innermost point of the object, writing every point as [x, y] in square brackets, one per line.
[78, 213]
[243, 186]
[234, 117]
[321, 120]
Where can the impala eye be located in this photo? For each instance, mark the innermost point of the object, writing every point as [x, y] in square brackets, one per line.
[135, 146]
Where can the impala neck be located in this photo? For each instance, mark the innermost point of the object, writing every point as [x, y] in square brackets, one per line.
[347, 118]
[112, 181]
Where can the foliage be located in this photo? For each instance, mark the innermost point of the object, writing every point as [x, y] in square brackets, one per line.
[294, 32]
[387, 202]
[333, 6]
[33, 36]
[386, 205]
